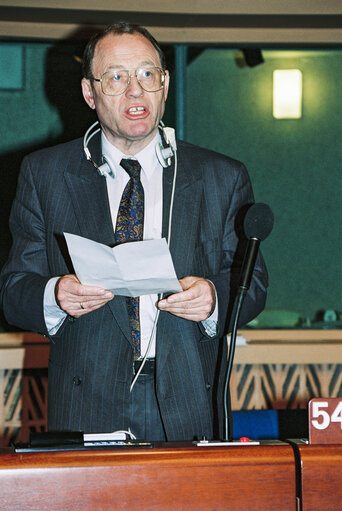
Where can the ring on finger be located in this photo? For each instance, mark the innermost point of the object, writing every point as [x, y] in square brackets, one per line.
[81, 305]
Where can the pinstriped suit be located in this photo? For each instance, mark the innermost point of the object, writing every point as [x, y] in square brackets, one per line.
[90, 367]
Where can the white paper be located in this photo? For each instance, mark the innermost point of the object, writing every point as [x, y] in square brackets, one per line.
[130, 269]
[107, 437]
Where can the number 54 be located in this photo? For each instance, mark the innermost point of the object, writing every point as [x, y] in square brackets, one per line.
[323, 415]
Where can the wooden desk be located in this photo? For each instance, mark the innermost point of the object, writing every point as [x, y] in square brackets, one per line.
[321, 477]
[257, 478]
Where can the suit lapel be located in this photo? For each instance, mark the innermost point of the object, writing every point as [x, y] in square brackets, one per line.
[89, 197]
[185, 213]
[88, 192]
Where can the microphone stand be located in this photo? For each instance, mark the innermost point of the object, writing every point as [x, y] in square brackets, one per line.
[258, 223]
[228, 416]
[245, 280]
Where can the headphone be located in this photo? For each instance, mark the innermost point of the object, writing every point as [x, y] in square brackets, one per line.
[164, 154]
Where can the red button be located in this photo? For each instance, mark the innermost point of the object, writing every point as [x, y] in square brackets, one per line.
[244, 439]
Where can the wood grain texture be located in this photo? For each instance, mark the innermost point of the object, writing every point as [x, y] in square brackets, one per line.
[192, 478]
[321, 477]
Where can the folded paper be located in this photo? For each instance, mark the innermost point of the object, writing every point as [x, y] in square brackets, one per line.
[130, 269]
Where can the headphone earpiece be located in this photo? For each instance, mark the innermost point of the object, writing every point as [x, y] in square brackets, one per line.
[165, 154]
[106, 169]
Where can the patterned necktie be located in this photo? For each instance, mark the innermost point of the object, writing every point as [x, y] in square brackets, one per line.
[130, 227]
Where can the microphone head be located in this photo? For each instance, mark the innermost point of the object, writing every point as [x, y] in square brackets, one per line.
[258, 221]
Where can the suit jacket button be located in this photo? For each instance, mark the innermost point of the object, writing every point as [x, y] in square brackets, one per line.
[208, 386]
[71, 319]
[76, 380]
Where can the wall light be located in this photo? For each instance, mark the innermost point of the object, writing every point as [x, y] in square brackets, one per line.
[287, 94]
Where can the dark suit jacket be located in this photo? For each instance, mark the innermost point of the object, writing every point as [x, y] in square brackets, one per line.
[90, 367]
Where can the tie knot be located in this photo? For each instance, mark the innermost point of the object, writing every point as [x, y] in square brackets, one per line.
[132, 167]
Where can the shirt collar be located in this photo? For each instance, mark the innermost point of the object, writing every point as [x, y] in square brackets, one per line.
[147, 157]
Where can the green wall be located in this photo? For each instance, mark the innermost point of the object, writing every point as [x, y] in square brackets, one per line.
[40, 104]
[294, 164]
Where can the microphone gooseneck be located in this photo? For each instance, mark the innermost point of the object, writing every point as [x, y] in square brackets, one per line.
[258, 224]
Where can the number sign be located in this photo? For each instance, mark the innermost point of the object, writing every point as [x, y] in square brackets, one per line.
[325, 421]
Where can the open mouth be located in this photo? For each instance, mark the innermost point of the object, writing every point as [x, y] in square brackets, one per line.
[136, 111]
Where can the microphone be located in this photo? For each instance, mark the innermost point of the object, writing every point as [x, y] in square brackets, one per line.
[257, 224]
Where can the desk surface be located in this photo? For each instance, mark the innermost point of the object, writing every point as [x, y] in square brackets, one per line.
[321, 477]
[256, 478]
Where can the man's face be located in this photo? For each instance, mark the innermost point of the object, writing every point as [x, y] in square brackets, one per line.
[128, 131]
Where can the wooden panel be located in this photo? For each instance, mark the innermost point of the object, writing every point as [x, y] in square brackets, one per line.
[280, 386]
[268, 373]
[190, 6]
[289, 354]
[194, 21]
[23, 404]
[321, 475]
[186, 35]
[23, 385]
[286, 368]
[256, 478]
[290, 347]
[311, 335]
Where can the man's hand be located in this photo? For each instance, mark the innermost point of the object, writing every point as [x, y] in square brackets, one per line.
[77, 299]
[196, 302]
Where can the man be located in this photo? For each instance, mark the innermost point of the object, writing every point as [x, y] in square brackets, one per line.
[94, 355]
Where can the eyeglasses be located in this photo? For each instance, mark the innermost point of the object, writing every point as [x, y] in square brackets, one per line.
[116, 81]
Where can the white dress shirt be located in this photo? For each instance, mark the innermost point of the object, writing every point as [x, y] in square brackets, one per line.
[152, 180]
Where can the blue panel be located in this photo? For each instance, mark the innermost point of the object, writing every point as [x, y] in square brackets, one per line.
[11, 66]
[256, 424]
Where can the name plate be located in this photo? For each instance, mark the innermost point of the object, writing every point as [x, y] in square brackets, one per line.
[325, 421]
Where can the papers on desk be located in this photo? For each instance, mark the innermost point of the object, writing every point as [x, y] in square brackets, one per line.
[131, 269]
[93, 437]
[77, 440]
[100, 439]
